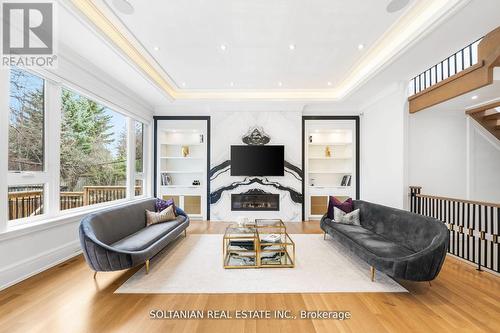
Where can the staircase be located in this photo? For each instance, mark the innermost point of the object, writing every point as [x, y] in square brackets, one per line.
[489, 117]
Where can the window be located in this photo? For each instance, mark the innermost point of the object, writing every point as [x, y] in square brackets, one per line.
[26, 155]
[93, 152]
[48, 123]
[139, 158]
[26, 123]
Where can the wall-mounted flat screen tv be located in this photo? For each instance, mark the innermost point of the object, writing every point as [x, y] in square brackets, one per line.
[257, 160]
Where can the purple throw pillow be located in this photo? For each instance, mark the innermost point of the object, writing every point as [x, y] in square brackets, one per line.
[345, 206]
[160, 204]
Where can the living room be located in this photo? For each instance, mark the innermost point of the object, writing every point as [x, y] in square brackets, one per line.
[250, 166]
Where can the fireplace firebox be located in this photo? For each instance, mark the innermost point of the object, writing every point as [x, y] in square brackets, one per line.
[255, 199]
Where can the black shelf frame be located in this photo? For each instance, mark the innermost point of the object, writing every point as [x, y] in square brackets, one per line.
[304, 119]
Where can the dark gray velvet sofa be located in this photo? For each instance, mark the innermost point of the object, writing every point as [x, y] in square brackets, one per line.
[399, 243]
[118, 238]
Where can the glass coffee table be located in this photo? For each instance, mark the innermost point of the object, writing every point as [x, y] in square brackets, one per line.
[262, 244]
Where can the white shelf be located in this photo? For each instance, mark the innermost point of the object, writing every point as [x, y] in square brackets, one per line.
[180, 158]
[181, 186]
[172, 171]
[182, 144]
[331, 172]
[330, 158]
[329, 143]
[330, 187]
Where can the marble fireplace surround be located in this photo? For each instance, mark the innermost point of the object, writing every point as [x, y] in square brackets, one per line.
[273, 128]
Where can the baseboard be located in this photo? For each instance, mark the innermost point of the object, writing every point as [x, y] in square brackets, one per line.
[22, 270]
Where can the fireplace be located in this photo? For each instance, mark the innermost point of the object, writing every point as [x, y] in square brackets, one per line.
[255, 199]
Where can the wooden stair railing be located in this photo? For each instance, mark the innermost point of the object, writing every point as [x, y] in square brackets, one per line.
[470, 79]
[488, 116]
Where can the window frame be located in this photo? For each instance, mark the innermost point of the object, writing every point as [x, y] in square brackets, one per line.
[23, 178]
[50, 177]
[140, 175]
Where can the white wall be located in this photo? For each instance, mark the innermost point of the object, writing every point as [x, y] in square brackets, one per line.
[383, 153]
[437, 152]
[25, 252]
[452, 156]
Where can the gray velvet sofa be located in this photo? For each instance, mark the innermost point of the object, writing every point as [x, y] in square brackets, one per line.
[118, 238]
[399, 243]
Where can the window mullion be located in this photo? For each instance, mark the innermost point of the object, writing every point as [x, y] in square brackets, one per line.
[53, 146]
[4, 144]
[147, 158]
[130, 158]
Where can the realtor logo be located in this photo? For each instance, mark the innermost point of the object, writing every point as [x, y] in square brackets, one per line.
[28, 34]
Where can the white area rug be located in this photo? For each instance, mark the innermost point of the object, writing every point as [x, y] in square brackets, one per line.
[194, 265]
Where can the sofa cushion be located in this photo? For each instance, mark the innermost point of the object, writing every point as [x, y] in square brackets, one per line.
[343, 217]
[345, 206]
[145, 237]
[372, 242]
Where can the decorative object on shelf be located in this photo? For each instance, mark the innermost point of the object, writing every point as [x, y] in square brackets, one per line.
[242, 221]
[313, 180]
[196, 182]
[310, 138]
[346, 180]
[201, 138]
[256, 136]
[185, 151]
[271, 238]
[166, 179]
[328, 152]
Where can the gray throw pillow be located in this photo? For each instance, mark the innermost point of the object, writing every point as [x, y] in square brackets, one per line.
[343, 217]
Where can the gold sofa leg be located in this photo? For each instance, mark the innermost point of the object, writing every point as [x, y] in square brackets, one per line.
[95, 274]
[372, 271]
[147, 266]
[185, 233]
[324, 236]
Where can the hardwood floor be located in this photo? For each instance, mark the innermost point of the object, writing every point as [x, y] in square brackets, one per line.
[67, 299]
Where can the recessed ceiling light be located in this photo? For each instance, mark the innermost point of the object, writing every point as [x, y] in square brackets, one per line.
[291, 47]
[231, 84]
[396, 5]
[361, 46]
[329, 83]
[156, 48]
[280, 84]
[123, 6]
[183, 84]
[475, 97]
[223, 47]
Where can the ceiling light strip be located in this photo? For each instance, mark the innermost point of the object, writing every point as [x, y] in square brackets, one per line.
[89, 9]
[406, 30]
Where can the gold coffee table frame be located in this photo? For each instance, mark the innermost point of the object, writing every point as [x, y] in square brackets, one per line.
[258, 257]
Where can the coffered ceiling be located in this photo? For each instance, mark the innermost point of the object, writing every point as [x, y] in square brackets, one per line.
[261, 49]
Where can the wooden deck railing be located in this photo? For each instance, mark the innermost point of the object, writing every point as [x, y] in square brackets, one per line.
[30, 203]
[473, 226]
[25, 203]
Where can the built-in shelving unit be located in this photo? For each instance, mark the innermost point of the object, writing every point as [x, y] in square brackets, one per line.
[330, 163]
[182, 164]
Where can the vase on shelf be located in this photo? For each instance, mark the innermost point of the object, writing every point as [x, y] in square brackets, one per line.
[185, 151]
[328, 152]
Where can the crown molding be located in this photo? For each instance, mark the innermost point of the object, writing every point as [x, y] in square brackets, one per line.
[414, 24]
